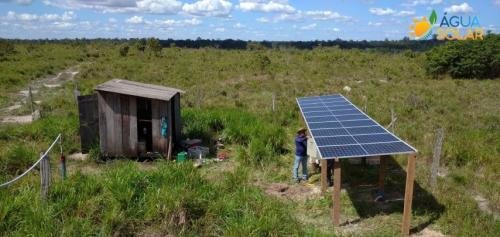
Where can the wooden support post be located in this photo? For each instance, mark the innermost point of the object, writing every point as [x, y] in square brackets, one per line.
[435, 157]
[45, 175]
[336, 193]
[410, 177]
[324, 170]
[381, 173]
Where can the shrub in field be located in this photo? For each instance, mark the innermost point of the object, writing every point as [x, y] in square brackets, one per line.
[466, 59]
[6, 48]
[124, 50]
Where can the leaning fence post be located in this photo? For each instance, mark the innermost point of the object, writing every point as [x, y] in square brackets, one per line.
[393, 120]
[365, 103]
[436, 156]
[45, 175]
[31, 100]
[63, 160]
[274, 101]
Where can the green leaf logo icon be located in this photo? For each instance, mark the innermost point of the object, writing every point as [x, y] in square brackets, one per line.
[433, 17]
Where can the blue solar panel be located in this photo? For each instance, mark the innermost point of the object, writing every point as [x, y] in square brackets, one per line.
[345, 112]
[365, 130]
[374, 138]
[341, 130]
[325, 125]
[340, 107]
[342, 151]
[358, 123]
[383, 148]
[321, 119]
[329, 132]
[315, 109]
[351, 117]
[339, 140]
[312, 114]
[336, 103]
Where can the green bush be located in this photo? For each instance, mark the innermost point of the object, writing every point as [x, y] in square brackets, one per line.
[466, 59]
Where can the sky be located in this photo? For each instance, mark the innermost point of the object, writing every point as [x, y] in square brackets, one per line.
[236, 19]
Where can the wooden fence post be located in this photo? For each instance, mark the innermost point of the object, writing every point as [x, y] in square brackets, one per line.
[393, 120]
[365, 103]
[31, 100]
[436, 157]
[274, 101]
[45, 175]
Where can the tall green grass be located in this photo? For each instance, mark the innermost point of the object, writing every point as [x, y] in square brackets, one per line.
[126, 201]
[261, 141]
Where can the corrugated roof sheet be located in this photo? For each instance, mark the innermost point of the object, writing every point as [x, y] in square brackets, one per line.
[127, 87]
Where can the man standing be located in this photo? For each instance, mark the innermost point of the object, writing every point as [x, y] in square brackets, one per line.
[300, 155]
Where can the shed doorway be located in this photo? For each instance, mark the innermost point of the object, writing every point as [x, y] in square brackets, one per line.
[144, 126]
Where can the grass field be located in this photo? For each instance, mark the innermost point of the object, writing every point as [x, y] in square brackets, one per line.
[229, 95]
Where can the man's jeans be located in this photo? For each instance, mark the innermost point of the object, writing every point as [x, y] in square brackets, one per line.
[300, 160]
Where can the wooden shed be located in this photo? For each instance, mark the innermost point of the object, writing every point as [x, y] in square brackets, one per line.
[129, 118]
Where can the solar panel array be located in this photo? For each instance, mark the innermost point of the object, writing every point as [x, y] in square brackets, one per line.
[342, 130]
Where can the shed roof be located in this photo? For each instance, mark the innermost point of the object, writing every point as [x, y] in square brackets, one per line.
[127, 87]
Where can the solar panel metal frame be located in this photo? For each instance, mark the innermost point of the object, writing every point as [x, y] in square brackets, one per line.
[338, 105]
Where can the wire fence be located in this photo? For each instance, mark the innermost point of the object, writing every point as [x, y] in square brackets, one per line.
[44, 155]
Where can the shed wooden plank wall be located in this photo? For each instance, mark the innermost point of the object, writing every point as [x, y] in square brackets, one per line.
[159, 109]
[177, 118]
[118, 124]
[133, 125]
[101, 104]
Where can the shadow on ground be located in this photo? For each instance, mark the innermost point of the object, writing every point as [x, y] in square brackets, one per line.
[361, 184]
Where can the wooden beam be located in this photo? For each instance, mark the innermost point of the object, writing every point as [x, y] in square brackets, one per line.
[381, 172]
[410, 177]
[324, 169]
[336, 193]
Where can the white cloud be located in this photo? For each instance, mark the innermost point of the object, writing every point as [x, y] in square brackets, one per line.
[382, 11]
[461, 8]
[220, 29]
[26, 17]
[389, 12]
[63, 25]
[374, 23]
[263, 20]
[309, 27]
[496, 2]
[327, 15]
[239, 26]
[112, 20]
[169, 23]
[22, 2]
[405, 13]
[145, 6]
[336, 29]
[218, 8]
[135, 20]
[423, 2]
[266, 6]
[159, 6]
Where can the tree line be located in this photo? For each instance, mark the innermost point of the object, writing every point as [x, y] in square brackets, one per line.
[384, 45]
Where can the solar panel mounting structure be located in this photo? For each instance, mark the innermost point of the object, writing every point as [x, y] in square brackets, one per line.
[341, 130]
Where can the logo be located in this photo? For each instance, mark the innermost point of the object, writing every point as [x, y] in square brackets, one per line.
[451, 27]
